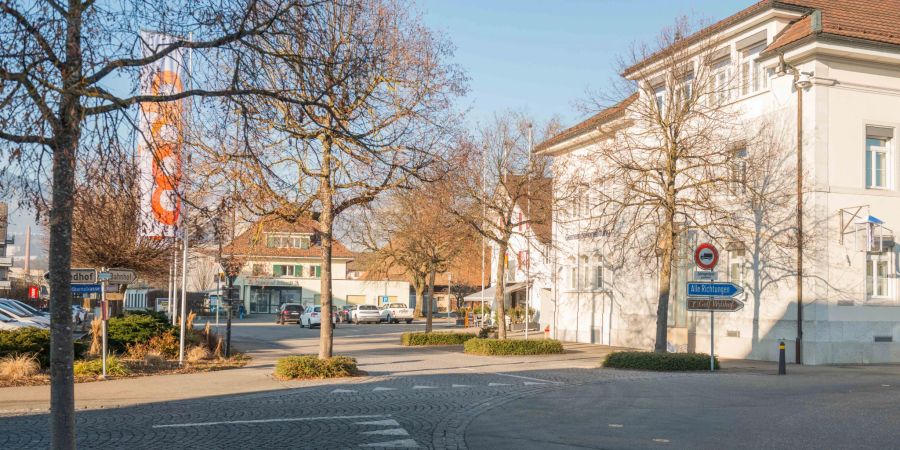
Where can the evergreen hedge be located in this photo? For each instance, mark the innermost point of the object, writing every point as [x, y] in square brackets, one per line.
[133, 329]
[410, 339]
[31, 341]
[310, 366]
[661, 362]
[480, 346]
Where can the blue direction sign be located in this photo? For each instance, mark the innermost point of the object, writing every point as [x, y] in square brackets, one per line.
[85, 288]
[695, 289]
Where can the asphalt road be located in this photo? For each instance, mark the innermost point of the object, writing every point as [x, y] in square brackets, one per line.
[439, 398]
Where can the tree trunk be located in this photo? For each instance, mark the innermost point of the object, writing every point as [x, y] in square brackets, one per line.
[665, 283]
[326, 225]
[500, 291]
[429, 305]
[419, 285]
[65, 145]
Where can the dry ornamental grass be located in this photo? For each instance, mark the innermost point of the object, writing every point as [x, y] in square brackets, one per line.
[19, 367]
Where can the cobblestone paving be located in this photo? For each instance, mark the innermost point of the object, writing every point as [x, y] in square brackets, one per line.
[387, 412]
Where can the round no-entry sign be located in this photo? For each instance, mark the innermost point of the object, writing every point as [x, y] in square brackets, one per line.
[706, 256]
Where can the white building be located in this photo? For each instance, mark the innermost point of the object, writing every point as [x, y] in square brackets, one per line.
[528, 264]
[847, 57]
[283, 265]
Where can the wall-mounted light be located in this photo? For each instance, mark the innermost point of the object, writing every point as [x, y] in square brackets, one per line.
[804, 80]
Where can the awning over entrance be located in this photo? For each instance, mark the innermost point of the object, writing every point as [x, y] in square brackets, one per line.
[489, 293]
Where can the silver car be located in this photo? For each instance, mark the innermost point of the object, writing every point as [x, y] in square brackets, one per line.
[12, 310]
[365, 313]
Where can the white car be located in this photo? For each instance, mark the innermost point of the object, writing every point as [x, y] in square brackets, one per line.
[312, 317]
[395, 312]
[8, 323]
[11, 309]
[365, 313]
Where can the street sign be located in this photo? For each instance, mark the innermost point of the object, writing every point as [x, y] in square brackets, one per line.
[104, 276]
[706, 275]
[34, 293]
[706, 256]
[385, 299]
[79, 276]
[85, 288]
[714, 304]
[122, 276]
[718, 289]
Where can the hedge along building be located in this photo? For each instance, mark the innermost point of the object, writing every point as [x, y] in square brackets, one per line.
[824, 77]
[283, 265]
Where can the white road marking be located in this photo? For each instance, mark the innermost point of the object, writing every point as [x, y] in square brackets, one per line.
[384, 389]
[885, 385]
[424, 387]
[526, 378]
[498, 384]
[461, 385]
[389, 432]
[616, 425]
[529, 383]
[342, 391]
[662, 441]
[282, 419]
[386, 422]
[402, 443]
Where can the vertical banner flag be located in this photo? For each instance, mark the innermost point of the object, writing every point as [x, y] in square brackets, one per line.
[160, 139]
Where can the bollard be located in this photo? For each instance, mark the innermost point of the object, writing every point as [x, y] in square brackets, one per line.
[782, 370]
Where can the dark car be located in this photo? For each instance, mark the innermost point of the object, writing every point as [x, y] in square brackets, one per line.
[344, 313]
[289, 313]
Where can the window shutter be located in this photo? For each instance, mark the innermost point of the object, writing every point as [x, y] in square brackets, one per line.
[277, 270]
[298, 270]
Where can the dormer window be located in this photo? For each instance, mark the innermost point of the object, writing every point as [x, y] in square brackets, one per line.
[279, 240]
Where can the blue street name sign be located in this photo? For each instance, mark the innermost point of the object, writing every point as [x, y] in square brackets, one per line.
[713, 289]
[85, 288]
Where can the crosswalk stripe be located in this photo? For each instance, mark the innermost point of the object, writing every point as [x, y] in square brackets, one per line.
[402, 443]
[461, 385]
[384, 389]
[424, 387]
[386, 422]
[497, 384]
[389, 432]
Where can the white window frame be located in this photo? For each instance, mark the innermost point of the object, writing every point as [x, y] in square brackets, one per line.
[879, 288]
[753, 78]
[737, 258]
[722, 81]
[573, 274]
[870, 166]
[659, 97]
[597, 273]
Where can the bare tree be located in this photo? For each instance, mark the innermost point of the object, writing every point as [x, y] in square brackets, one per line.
[380, 96]
[56, 63]
[660, 169]
[497, 172]
[410, 232]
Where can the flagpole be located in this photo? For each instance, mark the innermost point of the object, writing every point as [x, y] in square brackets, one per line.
[185, 224]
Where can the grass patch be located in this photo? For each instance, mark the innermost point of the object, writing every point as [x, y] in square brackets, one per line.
[94, 367]
[660, 362]
[18, 367]
[310, 366]
[410, 339]
[479, 346]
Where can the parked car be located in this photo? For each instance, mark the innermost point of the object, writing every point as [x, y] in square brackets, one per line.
[344, 313]
[10, 323]
[395, 312]
[365, 313]
[80, 315]
[312, 316]
[288, 312]
[11, 309]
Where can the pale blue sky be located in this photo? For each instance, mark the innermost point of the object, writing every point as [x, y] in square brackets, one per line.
[542, 55]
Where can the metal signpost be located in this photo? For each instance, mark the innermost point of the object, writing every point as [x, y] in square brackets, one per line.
[104, 278]
[709, 295]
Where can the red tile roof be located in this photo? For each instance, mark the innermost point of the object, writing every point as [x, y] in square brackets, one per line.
[253, 241]
[871, 20]
[589, 124]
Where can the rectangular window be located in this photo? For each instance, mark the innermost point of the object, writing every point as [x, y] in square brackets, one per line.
[721, 81]
[739, 171]
[753, 77]
[878, 157]
[318, 273]
[878, 276]
[573, 277]
[597, 278]
[736, 267]
[273, 241]
[659, 94]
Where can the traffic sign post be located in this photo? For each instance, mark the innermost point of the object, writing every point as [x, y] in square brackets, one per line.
[104, 277]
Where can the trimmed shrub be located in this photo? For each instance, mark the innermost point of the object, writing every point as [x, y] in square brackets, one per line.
[480, 346]
[14, 368]
[410, 339]
[31, 341]
[133, 329]
[310, 366]
[662, 362]
[485, 332]
[94, 367]
[158, 315]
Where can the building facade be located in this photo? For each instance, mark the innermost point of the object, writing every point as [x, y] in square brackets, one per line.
[282, 264]
[844, 59]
